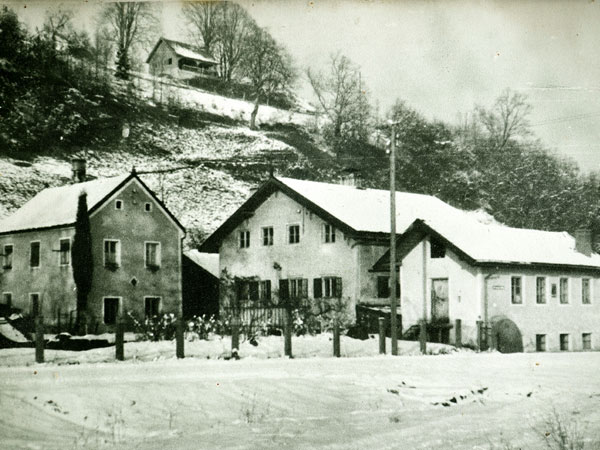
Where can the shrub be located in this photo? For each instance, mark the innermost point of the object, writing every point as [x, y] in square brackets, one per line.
[157, 328]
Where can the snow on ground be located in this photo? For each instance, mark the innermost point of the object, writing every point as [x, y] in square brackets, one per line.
[462, 400]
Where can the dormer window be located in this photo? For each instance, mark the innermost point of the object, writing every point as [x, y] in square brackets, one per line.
[437, 249]
[119, 204]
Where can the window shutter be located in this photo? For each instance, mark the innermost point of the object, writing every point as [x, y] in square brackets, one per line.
[238, 289]
[317, 288]
[254, 290]
[268, 290]
[338, 287]
[284, 290]
[304, 293]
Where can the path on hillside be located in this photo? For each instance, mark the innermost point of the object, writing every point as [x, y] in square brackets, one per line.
[348, 403]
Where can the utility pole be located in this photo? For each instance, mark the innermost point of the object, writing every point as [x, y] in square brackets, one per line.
[393, 274]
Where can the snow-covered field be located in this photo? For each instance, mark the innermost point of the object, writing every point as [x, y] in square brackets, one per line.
[461, 400]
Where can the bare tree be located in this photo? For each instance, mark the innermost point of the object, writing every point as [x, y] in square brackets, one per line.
[234, 25]
[267, 65]
[340, 94]
[130, 22]
[203, 17]
[57, 23]
[507, 119]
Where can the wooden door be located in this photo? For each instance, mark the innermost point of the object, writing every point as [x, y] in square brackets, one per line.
[439, 300]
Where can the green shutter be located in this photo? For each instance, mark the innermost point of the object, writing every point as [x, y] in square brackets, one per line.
[317, 288]
[284, 290]
[338, 287]
[254, 290]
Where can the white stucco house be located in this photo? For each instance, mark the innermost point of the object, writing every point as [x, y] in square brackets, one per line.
[317, 240]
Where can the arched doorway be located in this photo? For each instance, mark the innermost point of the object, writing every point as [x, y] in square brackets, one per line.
[506, 336]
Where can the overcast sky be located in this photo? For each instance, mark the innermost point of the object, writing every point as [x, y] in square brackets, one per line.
[442, 57]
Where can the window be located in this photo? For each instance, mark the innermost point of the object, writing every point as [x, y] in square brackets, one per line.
[265, 290]
[328, 234]
[293, 234]
[170, 61]
[112, 253]
[147, 207]
[564, 291]
[244, 239]
[111, 310]
[564, 342]
[152, 254]
[65, 252]
[553, 290]
[267, 233]
[119, 204]
[437, 249]
[34, 254]
[515, 289]
[383, 287]
[152, 306]
[293, 288]
[586, 341]
[8, 256]
[327, 287]
[540, 342]
[34, 304]
[540, 290]
[585, 291]
[247, 289]
[7, 299]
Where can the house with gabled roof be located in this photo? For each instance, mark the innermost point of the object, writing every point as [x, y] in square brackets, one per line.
[507, 288]
[180, 60]
[314, 240]
[136, 248]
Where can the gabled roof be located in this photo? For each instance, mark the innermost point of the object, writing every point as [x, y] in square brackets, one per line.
[208, 261]
[361, 213]
[493, 244]
[184, 50]
[57, 207]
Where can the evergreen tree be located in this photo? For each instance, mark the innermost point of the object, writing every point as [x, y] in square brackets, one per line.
[82, 259]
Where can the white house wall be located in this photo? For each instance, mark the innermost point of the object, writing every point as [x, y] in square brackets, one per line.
[551, 318]
[463, 294]
[310, 258]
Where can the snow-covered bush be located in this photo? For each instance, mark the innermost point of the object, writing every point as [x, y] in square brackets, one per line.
[157, 328]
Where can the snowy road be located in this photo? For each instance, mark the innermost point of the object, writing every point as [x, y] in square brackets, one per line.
[348, 403]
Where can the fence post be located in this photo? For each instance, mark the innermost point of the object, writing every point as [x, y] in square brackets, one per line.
[479, 336]
[423, 337]
[287, 332]
[235, 337]
[179, 353]
[120, 340]
[39, 339]
[458, 333]
[382, 335]
[336, 338]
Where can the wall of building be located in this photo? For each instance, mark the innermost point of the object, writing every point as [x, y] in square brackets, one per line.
[464, 293]
[551, 318]
[53, 282]
[310, 258]
[133, 226]
[159, 65]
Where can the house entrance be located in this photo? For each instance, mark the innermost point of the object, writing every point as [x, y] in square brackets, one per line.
[439, 328]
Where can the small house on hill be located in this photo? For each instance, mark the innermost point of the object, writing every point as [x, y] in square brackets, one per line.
[136, 248]
[511, 289]
[180, 60]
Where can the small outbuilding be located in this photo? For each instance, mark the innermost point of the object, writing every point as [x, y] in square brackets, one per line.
[180, 60]
[200, 279]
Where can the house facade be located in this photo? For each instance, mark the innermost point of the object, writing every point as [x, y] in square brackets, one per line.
[180, 60]
[511, 289]
[136, 248]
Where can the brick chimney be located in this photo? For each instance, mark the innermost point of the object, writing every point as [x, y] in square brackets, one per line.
[583, 241]
[78, 167]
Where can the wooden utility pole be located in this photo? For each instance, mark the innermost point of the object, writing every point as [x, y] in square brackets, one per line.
[393, 274]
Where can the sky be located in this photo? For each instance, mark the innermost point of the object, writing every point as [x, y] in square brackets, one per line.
[442, 58]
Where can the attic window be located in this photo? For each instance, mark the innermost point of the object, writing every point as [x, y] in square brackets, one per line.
[148, 207]
[438, 249]
[170, 61]
[119, 204]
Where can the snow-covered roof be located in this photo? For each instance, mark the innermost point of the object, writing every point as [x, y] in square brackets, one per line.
[208, 261]
[58, 206]
[185, 51]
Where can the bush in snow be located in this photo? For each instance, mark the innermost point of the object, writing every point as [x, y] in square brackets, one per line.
[157, 328]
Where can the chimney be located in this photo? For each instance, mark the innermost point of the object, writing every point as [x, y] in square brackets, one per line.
[78, 168]
[350, 177]
[583, 241]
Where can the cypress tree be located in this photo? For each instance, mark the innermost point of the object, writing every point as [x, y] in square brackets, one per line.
[82, 260]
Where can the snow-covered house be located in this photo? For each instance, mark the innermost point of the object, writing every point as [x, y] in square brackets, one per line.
[512, 289]
[180, 60]
[136, 248]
